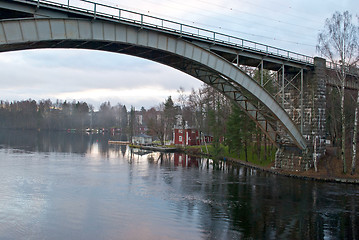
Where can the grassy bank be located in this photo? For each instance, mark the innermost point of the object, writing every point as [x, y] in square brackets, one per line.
[329, 166]
[252, 156]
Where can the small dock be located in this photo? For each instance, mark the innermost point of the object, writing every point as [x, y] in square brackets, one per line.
[119, 142]
[156, 148]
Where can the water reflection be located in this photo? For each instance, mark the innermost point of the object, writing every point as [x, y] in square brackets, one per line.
[61, 185]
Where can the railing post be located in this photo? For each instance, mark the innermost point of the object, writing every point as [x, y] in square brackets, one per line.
[94, 10]
[301, 101]
[214, 36]
[181, 29]
[119, 14]
[283, 85]
[262, 77]
[141, 20]
[68, 4]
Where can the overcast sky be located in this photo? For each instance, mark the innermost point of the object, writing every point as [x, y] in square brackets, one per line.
[95, 76]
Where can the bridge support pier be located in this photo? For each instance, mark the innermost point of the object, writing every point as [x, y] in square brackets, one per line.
[312, 121]
[293, 159]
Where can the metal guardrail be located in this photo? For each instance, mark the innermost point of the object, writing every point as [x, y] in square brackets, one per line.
[96, 10]
[352, 70]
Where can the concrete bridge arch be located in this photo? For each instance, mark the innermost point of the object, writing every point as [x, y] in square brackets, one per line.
[34, 33]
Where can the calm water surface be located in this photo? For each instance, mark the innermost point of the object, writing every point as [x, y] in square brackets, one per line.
[69, 186]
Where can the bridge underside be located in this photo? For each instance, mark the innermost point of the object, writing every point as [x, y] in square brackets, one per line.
[162, 48]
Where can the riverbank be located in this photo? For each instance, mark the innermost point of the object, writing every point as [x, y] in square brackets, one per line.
[329, 167]
[322, 174]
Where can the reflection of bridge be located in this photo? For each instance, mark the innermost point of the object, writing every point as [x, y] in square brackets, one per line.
[293, 116]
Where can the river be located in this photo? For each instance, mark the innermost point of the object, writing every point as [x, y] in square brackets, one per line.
[57, 185]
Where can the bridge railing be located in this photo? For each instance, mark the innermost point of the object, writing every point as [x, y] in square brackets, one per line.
[351, 70]
[96, 9]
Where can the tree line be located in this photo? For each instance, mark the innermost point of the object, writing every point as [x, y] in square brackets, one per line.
[210, 112]
[59, 115]
[204, 109]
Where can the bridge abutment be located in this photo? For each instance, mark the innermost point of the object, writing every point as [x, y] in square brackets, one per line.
[312, 122]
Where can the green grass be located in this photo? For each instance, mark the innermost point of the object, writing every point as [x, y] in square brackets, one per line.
[252, 154]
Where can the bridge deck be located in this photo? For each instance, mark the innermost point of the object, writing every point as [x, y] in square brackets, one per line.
[225, 44]
[234, 49]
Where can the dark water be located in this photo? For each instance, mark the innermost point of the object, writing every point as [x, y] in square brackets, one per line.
[70, 186]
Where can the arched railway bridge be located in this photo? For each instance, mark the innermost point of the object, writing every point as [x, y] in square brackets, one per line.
[292, 117]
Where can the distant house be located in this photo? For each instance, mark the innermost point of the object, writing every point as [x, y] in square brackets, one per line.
[142, 139]
[188, 136]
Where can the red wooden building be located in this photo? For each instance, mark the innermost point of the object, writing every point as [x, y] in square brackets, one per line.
[189, 137]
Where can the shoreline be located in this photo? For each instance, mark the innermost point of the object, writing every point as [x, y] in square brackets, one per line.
[308, 175]
[297, 175]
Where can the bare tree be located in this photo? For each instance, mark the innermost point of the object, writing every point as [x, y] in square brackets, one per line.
[182, 101]
[355, 133]
[156, 122]
[338, 42]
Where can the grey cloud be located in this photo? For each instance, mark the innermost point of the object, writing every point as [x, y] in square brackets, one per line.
[29, 75]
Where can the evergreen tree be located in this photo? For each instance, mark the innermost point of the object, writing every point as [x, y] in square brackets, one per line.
[234, 136]
[132, 122]
[169, 115]
[215, 125]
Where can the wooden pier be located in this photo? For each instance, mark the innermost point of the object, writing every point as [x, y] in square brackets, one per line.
[119, 142]
[156, 148]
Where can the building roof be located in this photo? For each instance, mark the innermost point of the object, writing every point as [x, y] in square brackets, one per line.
[187, 127]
